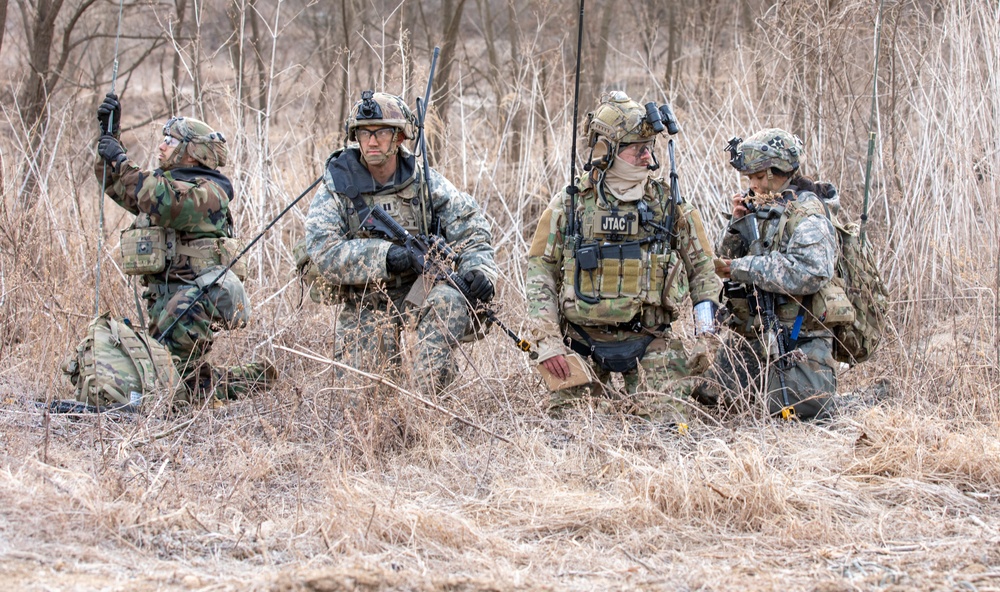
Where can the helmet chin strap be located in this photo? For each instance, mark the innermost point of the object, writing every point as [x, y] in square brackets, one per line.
[174, 159]
[383, 157]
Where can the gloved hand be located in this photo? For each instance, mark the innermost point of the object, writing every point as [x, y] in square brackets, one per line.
[110, 112]
[111, 150]
[700, 357]
[480, 286]
[398, 260]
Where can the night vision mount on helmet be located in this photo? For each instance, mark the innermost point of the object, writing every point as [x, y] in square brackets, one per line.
[378, 108]
[767, 149]
[619, 121]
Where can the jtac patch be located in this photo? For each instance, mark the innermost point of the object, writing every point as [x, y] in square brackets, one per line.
[618, 224]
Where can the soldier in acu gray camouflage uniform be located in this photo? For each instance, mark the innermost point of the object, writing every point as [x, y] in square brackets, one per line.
[375, 276]
[183, 207]
[617, 281]
[796, 257]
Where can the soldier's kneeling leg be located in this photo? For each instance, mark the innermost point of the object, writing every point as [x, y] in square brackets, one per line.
[442, 321]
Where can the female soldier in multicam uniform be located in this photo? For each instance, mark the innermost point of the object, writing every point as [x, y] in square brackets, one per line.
[792, 259]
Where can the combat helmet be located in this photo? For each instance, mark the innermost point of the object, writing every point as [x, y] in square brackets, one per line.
[378, 108]
[769, 148]
[618, 120]
[198, 140]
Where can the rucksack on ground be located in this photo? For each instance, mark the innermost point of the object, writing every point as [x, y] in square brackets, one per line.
[116, 365]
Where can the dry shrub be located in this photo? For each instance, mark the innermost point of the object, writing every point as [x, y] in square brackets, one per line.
[898, 444]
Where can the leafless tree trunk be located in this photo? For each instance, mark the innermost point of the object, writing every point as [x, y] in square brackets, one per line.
[180, 11]
[43, 77]
[256, 46]
[596, 59]
[442, 81]
[3, 26]
[675, 32]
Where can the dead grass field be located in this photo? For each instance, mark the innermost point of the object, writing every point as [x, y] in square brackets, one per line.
[328, 483]
[298, 490]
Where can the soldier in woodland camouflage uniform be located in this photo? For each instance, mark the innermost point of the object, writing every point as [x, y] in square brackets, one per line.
[797, 257]
[187, 200]
[374, 276]
[618, 279]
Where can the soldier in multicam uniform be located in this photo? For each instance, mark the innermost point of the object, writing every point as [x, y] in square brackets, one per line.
[374, 276]
[615, 283]
[797, 248]
[183, 204]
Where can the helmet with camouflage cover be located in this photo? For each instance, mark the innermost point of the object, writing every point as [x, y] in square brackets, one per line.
[198, 140]
[378, 108]
[618, 120]
[767, 149]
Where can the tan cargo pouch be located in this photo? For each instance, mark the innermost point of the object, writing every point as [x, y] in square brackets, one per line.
[204, 253]
[831, 306]
[145, 250]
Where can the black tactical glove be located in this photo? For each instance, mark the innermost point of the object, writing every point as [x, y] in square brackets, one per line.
[398, 260]
[110, 111]
[480, 286]
[111, 151]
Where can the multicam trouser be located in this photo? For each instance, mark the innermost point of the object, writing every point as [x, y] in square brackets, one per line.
[658, 388]
[369, 333]
[190, 339]
[742, 376]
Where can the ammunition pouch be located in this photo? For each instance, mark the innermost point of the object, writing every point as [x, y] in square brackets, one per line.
[146, 251]
[205, 253]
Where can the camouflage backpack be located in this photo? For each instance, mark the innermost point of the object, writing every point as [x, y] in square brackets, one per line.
[856, 267]
[117, 365]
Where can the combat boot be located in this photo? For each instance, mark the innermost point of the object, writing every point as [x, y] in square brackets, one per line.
[246, 379]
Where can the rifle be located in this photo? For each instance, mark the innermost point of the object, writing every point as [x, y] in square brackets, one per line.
[765, 303]
[72, 406]
[426, 252]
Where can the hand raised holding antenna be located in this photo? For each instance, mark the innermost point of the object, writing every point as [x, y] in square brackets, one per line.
[109, 115]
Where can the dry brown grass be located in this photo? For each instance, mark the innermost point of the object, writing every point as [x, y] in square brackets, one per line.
[330, 483]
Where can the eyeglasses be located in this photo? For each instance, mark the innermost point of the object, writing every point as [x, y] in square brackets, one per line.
[637, 149]
[171, 141]
[381, 134]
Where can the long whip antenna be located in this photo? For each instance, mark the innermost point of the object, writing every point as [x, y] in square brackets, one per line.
[104, 174]
[871, 124]
[204, 289]
[576, 99]
[571, 188]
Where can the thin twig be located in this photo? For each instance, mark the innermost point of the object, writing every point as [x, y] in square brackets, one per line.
[381, 380]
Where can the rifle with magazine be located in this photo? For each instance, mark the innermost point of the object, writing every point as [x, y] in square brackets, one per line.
[776, 344]
[428, 253]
